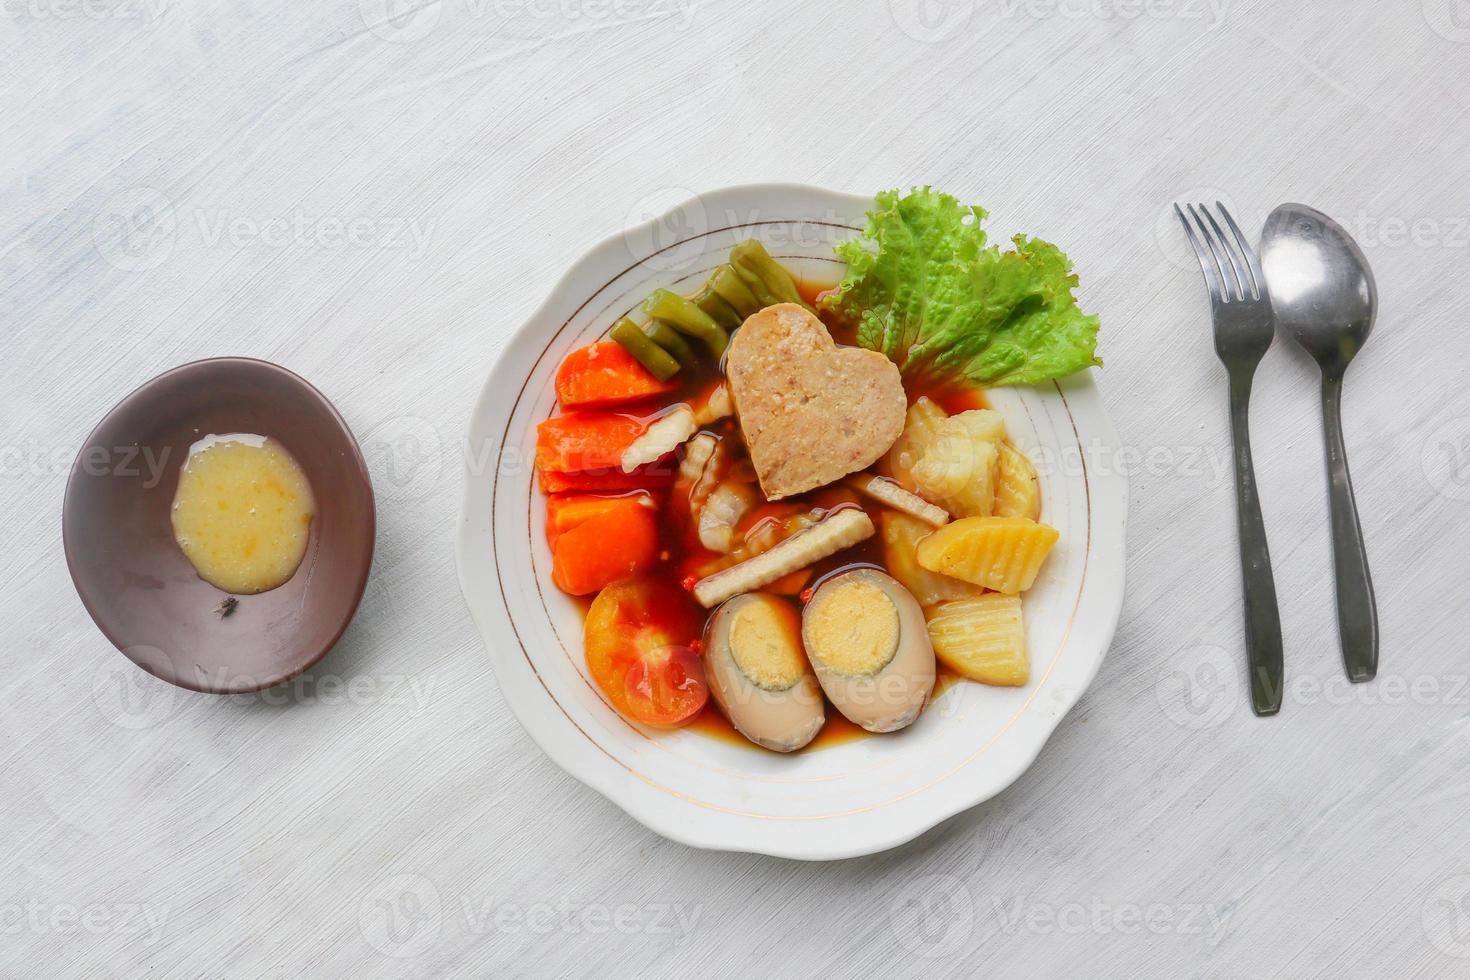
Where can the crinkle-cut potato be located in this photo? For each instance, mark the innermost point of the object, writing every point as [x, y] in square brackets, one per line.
[982, 638]
[1017, 492]
[1000, 553]
[901, 537]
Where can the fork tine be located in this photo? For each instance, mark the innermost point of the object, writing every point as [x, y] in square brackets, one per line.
[1252, 262]
[1237, 262]
[1223, 259]
[1207, 263]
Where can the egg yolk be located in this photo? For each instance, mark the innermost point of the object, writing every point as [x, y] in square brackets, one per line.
[765, 646]
[242, 513]
[853, 628]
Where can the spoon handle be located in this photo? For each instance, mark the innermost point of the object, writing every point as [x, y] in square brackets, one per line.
[1357, 613]
[1262, 619]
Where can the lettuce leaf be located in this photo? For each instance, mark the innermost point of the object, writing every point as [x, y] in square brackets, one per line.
[924, 288]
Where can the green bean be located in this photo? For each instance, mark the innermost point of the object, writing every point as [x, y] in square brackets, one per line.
[756, 285]
[720, 311]
[750, 256]
[653, 357]
[668, 338]
[687, 318]
[732, 289]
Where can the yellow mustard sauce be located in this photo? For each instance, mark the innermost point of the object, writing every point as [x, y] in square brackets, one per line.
[242, 513]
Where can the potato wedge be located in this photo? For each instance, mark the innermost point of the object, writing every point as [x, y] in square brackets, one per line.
[1017, 490]
[1000, 553]
[982, 638]
[959, 472]
[965, 455]
[901, 537]
[949, 460]
[919, 431]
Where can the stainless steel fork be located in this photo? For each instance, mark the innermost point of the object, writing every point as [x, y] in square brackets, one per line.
[1244, 326]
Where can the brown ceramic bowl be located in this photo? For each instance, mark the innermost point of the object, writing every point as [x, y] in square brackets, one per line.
[137, 584]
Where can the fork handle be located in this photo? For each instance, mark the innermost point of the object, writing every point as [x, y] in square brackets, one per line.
[1357, 612]
[1262, 619]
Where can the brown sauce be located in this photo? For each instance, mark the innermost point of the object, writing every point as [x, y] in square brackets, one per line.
[837, 730]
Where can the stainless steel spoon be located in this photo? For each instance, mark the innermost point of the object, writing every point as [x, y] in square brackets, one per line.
[1323, 294]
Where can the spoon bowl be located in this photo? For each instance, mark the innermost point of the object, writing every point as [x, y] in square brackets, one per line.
[1322, 290]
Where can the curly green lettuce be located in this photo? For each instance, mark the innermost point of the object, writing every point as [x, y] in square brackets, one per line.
[924, 288]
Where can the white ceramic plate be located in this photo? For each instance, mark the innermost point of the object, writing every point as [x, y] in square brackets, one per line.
[839, 801]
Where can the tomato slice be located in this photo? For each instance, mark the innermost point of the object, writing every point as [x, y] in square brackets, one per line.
[641, 640]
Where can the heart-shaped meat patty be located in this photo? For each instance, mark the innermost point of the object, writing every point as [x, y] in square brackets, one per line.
[811, 412]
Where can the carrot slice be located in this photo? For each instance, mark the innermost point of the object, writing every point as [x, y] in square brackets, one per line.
[659, 474]
[565, 511]
[606, 548]
[603, 375]
[585, 441]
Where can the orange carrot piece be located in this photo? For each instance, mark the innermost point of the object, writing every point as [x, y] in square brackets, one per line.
[565, 511]
[604, 374]
[585, 441]
[606, 548]
[659, 474]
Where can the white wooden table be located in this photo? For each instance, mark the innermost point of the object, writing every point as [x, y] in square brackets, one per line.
[376, 203]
